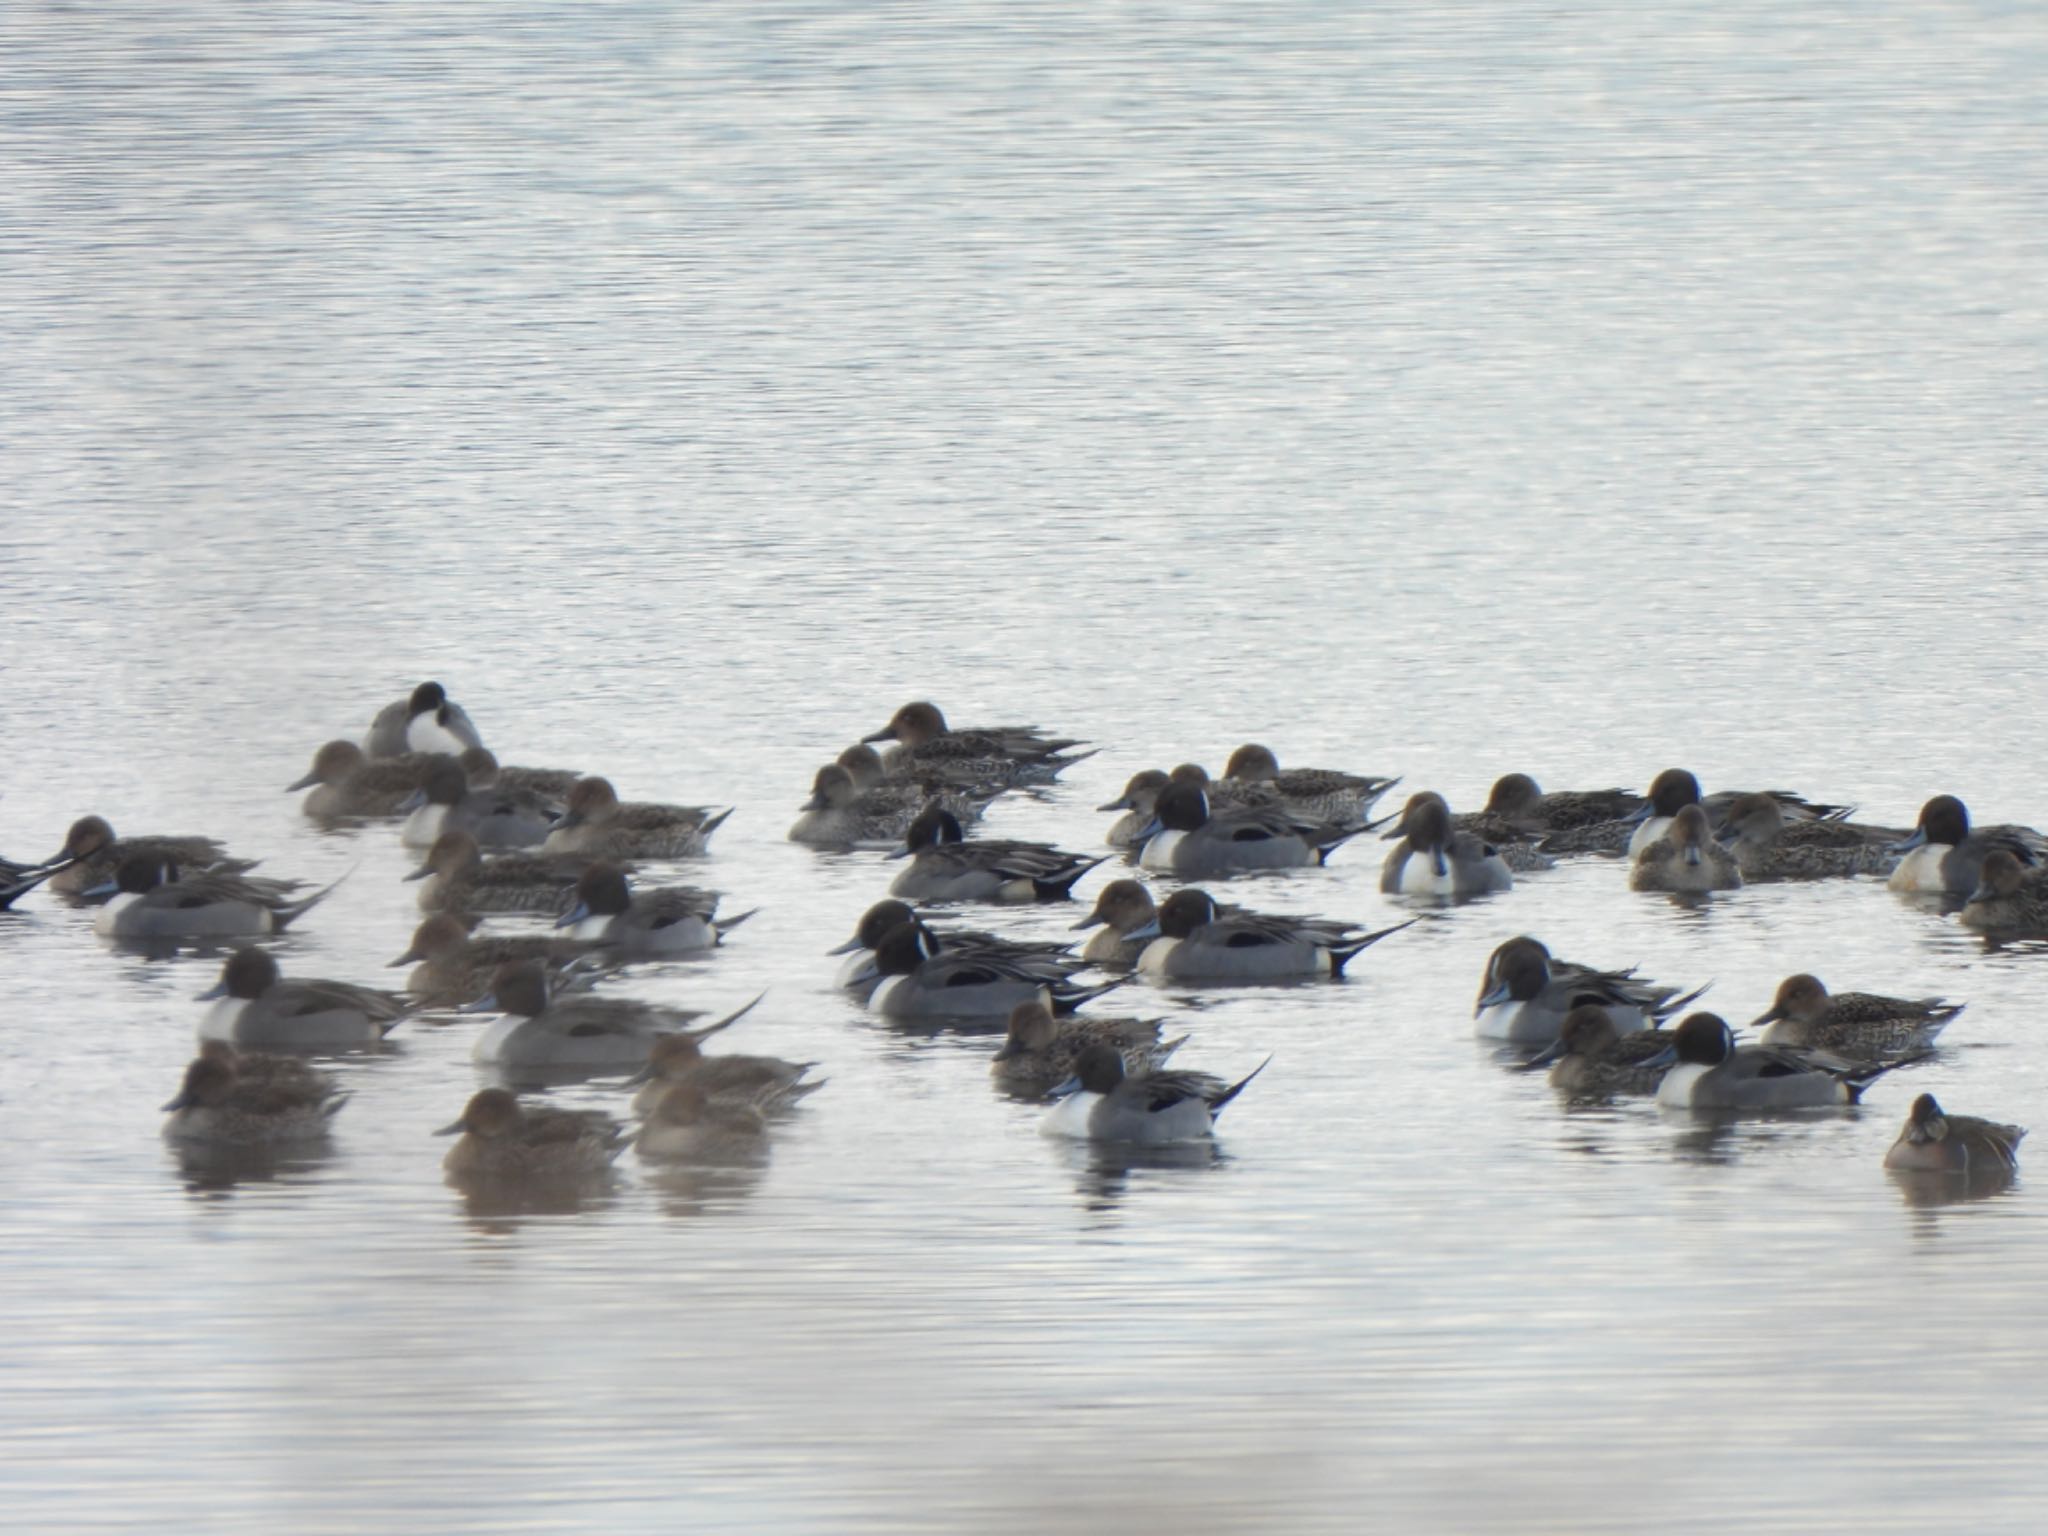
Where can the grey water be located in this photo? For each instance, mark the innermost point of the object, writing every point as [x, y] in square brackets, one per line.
[1436, 390]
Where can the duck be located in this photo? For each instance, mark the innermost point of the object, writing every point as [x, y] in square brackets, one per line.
[2010, 901]
[450, 965]
[685, 1123]
[426, 720]
[1944, 856]
[220, 1106]
[346, 782]
[254, 1006]
[265, 1067]
[1100, 1102]
[1197, 940]
[1123, 911]
[644, 925]
[1325, 795]
[456, 877]
[1517, 800]
[1002, 756]
[496, 818]
[1770, 847]
[539, 1028]
[764, 1082]
[1713, 1072]
[17, 880]
[1860, 1025]
[502, 1138]
[944, 866]
[1516, 847]
[91, 853]
[1934, 1141]
[1686, 860]
[1526, 995]
[599, 825]
[923, 981]
[840, 814]
[1039, 1051]
[152, 899]
[548, 785]
[1139, 798]
[1591, 1059]
[859, 973]
[1193, 838]
[1432, 859]
[1671, 792]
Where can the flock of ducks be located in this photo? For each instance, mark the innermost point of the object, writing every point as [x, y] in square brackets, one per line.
[500, 840]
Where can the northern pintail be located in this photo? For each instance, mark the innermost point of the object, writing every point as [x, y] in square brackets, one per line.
[1519, 801]
[646, 924]
[599, 825]
[1197, 940]
[922, 980]
[254, 1006]
[945, 867]
[451, 966]
[502, 1138]
[1140, 797]
[91, 853]
[551, 785]
[219, 1106]
[456, 877]
[1433, 859]
[1935, 1141]
[1671, 792]
[839, 814]
[1713, 1072]
[346, 782]
[1945, 855]
[1686, 860]
[1313, 794]
[1039, 1051]
[155, 900]
[426, 720]
[539, 1028]
[2010, 902]
[496, 818]
[766, 1082]
[1861, 1025]
[994, 755]
[1526, 995]
[687, 1124]
[1516, 846]
[1101, 1103]
[1768, 846]
[1198, 840]
[859, 973]
[17, 880]
[1123, 910]
[1594, 1060]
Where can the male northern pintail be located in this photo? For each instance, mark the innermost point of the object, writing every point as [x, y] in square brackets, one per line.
[456, 877]
[502, 1138]
[551, 785]
[1314, 794]
[1194, 939]
[1713, 1072]
[220, 1105]
[1863, 1025]
[1526, 995]
[91, 853]
[346, 782]
[645, 924]
[1137, 802]
[1123, 911]
[155, 900]
[426, 720]
[993, 755]
[1039, 1051]
[599, 825]
[839, 814]
[538, 1028]
[496, 818]
[1100, 1103]
[686, 1124]
[1519, 801]
[1433, 859]
[2010, 902]
[766, 1082]
[1194, 838]
[254, 1006]
[1935, 1141]
[1594, 1060]
[945, 867]
[1686, 860]
[17, 880]
[921, 979]
[859, 973]
[1769, 846]
[1945, 855]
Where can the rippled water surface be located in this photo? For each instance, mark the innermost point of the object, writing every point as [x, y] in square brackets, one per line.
[1433, 390]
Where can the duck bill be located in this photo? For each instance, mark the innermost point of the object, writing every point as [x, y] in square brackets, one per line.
[304, 781]
[886, 733]
[1064, 1090]
[1092, 920]
[1982, 893]
[574, 915]
[1917, 840]
[488, 1003]
[568, 820]
[1692, 855]
[644, 1075]
[421, 873]
[900, 853]
[1150, 830]
[848, 947]
[1543, 1058]
[1439, 863]
[1121, 803]
[1147, 931]
[218, 990]
[451, 1130]
[182, 1101]
[815, 803]
[410, 957]
[104, 888]
[1492, 997]
[412, 802]
[1765, 1018]
[1639, 815]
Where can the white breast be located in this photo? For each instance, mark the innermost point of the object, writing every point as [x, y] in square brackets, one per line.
[1070, 1116]
[423, 826]
[1648, 833]
[1679, 1084]
[1920, 870]
[107, 922]
[1419, 877]
[1153, 961]
[1159, 850]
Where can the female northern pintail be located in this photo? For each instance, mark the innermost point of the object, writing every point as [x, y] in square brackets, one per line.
[456, 877]
[1433, 859]
[684, 1123]
[1313, 794]
[994, 755]
[1686, 860]
[1594, 1060]
[1935, 1141]
[644, 925]
[1713, 1072]
[427, 720]
[501, 1138]
[1526, 995]
[1515, 846]
[1863, 1025]
[599, 825]
[1944, 856]
[1520, 802]
[859, 973]
[1198, 940]
[345, 782]
[1123, 911]
[921, 979]
[1039, 1052]
[496, 818]
[17, 880]
[1137, 802]
[551, 785]
[839, 814]
[2010, 902]
[1768, 846]
[540, 1029]
[945, 867]
[766, 1082]
[1194, 838]
[220, 1105]
[451, 966]
[155, 900]
[91, 853]
[257, 1007]
[1100, 1103]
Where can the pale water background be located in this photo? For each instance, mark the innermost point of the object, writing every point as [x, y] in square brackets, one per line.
[1423, 389]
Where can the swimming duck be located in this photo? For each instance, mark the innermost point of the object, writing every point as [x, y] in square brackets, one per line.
[599, 825]
[457, 878]
[1526, 995]
[859, 973]
[426, 720]
[346, 782]
[1594, 1060]
[921, 980]
[221, 1106]
[1686, 860]
[1944, 856]
[502, 1138]
[765, 1082]
[997, 755]
[1935, 1141]
[1140, 797]
[2010, 902]
[538, 1028]
[1713, 1072]
[1192, 837]
[1100, 1103]
[1520, 802]
[496, 818]
[1516, 847]
[1039, 1052]
[839, 814]
[1671, 792]
[1767, 846]
[643, 925]
[451, 966]
[256, 1007]
[1431, 859]
[1323, 795]
[945, 867]
[1861, 1025]
[154, 900]
[91, 853]
[551, 786]
[1197, 940]
[1123, 910]
[687, 1124]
